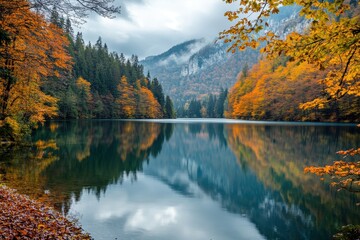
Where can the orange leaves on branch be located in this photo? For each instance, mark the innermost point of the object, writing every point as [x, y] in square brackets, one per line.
[343, 174]
[331, 42]
[245, 31]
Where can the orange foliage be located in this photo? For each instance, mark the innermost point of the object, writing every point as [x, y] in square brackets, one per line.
[148, 105]
[23, 218]
[136, 102]
[279, 154]
[343, 174]
[131, 144]
[331, 41]
[126, 103]
[31, 50]
[83, 85]
[277, 91]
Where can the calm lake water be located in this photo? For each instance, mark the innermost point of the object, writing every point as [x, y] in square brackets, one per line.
[188, 179]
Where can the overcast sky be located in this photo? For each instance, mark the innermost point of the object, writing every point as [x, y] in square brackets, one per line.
[150, 27]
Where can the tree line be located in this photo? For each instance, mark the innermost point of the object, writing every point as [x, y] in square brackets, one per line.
[278, 89]
[47, 72]
[211, 107]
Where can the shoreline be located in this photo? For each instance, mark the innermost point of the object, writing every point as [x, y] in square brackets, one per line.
[25, 218]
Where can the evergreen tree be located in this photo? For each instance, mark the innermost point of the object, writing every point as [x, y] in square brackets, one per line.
[157, 90]
[194, 110]
[245, 70]
[219, 106]
[169, 108]
[102, 95]
[210, 108]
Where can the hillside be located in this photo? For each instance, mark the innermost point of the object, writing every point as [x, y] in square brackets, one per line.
[274, 90]
[196, 68]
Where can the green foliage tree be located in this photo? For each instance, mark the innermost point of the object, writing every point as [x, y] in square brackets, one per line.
[245, 70]
[194, 110]
[210, 107]
[103, 69]
[157, 90]
[220, 103]
[169, 108]
[37, 80]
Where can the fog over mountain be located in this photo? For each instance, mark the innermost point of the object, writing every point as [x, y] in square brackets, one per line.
[196, 68]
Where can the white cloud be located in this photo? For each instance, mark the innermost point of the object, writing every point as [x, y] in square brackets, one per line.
[150, 27]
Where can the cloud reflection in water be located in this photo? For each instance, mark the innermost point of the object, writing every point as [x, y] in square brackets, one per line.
[150, 209]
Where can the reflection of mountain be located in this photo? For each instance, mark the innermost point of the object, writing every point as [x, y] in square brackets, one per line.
[249, 169]
[282, 201]
[93, 155]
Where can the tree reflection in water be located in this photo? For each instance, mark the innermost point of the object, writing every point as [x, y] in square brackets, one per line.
[253, 170]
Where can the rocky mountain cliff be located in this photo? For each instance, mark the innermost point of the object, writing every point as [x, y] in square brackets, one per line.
[196, 68]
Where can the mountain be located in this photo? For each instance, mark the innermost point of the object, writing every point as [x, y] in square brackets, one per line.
[196, 68]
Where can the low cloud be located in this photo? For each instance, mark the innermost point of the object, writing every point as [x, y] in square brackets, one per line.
[150, 27]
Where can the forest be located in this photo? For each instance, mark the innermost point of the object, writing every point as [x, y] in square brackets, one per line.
[277, 89]
[310, 74]
[212, 106]
[48, 72]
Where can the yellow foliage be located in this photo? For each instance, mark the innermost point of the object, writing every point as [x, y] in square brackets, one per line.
[343, 174]
[331, 42]
[126, 101]
[32, 49]
[84, 85]
[148, 105]
[274, 92]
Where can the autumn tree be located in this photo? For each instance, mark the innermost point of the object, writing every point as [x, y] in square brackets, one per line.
[330, 43]
[31, 49]
[332, 40]
[126, 102]
[148, 106]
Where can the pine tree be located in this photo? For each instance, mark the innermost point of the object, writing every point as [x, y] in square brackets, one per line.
[219, 106]
[157, 90]
[210, 107]
[169, 108]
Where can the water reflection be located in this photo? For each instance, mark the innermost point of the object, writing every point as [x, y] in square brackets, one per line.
[147, 180]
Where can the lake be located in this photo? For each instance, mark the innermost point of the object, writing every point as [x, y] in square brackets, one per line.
[188, 179]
